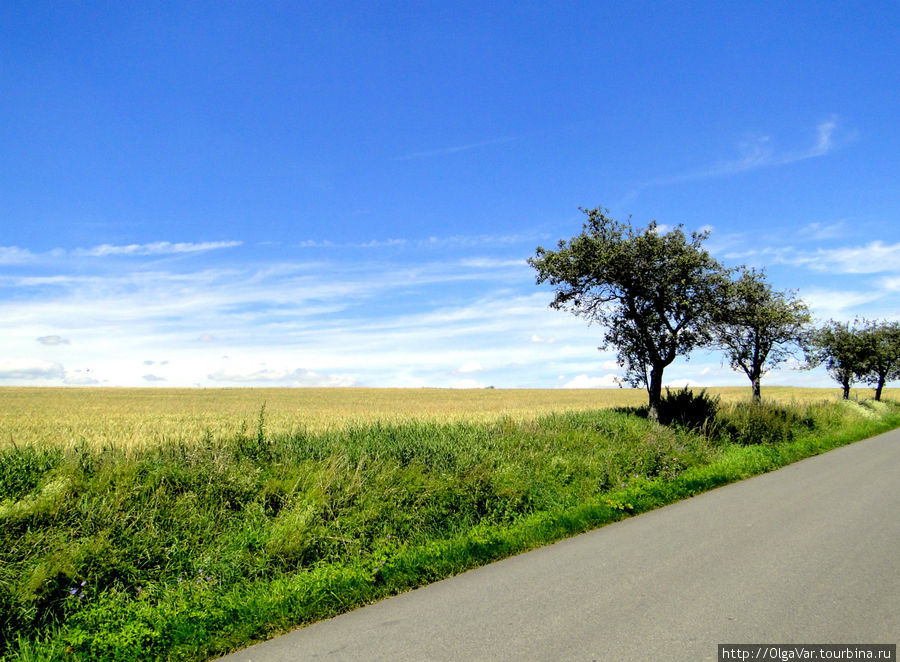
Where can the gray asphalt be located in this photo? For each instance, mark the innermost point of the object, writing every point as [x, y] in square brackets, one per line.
[806, 554]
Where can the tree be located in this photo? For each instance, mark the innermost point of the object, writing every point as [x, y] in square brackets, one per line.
[880, 361]
[756, 327]
[653, 292]
[840, 348]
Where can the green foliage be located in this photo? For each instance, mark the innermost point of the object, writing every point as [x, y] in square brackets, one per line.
[22, 469]
[184, 551]
[757, 327]
[880, 362]
[653, 293]
[840, 347]
[760, 423]
[695, 411]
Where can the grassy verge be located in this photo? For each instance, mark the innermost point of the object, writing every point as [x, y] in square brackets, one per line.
[188, 550]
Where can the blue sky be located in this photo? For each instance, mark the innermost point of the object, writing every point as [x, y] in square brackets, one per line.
[321, 193]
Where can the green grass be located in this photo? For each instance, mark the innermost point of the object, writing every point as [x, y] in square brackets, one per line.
[186, 550]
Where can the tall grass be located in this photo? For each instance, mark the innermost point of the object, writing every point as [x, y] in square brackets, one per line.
[135, 418]
[187, 549]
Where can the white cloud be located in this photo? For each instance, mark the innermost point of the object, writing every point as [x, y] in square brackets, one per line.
[153, 378]
[405, 323]
[14, 255]
[80, 377]
[874, 257]
[491, 263]
[821, 231]
[155, 248]
[825, 132]
[53, 340]
[372, 243]
[836, 303]
[585, 381]
[890, 284]
[296, 377]
[30, 369]
[680, 383]
[755, 153]
[466, 383]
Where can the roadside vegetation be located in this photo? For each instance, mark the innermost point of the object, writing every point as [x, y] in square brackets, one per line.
[187, 549]
[181, 536]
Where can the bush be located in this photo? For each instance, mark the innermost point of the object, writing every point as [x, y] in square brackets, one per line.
[759, 423]
[686, 409]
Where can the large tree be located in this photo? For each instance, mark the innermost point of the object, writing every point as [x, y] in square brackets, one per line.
[840, 348]
[880, 362]
[653, 292]
[756, 327]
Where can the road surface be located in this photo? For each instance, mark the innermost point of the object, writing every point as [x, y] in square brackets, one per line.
[805, 554]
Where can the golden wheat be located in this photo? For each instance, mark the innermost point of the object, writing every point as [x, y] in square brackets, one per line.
[129, 418]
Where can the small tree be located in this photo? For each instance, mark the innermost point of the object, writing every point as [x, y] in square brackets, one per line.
[881, 354]
[654, 293]
[839, 347]
[756, 327]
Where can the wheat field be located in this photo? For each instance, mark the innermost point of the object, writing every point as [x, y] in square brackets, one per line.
[136, 417]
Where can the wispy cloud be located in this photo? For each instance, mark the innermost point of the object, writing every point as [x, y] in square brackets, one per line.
[288, 377]
[454, 149]
[823, 231]
[754, 154]
[437, 242]
[155, 248]
[827, 303]
[30, 369]
[874, 257]
[52, 341]
[373, 243]
[14, 255]
[411, 321]
[469, 366]
[586, 381]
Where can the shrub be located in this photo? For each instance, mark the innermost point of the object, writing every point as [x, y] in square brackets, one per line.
[684, 408]
[759, 423]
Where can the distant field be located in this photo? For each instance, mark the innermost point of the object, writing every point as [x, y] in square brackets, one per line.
[137, 417]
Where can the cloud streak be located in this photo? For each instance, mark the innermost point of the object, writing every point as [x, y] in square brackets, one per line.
[155, 248]
[444, 151]
[53, 341]
[756, 154]
[872, 258]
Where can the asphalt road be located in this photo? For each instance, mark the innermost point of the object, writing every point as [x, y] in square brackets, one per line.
[806, 554]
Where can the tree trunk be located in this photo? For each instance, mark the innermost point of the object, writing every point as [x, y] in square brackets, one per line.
[879, 387]
[846, 386]
[655, 392]
[757, 388]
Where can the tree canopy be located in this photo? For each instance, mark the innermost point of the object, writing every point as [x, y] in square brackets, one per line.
[880, 360]
[756, 327]
[653, 292]
[840, 348]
